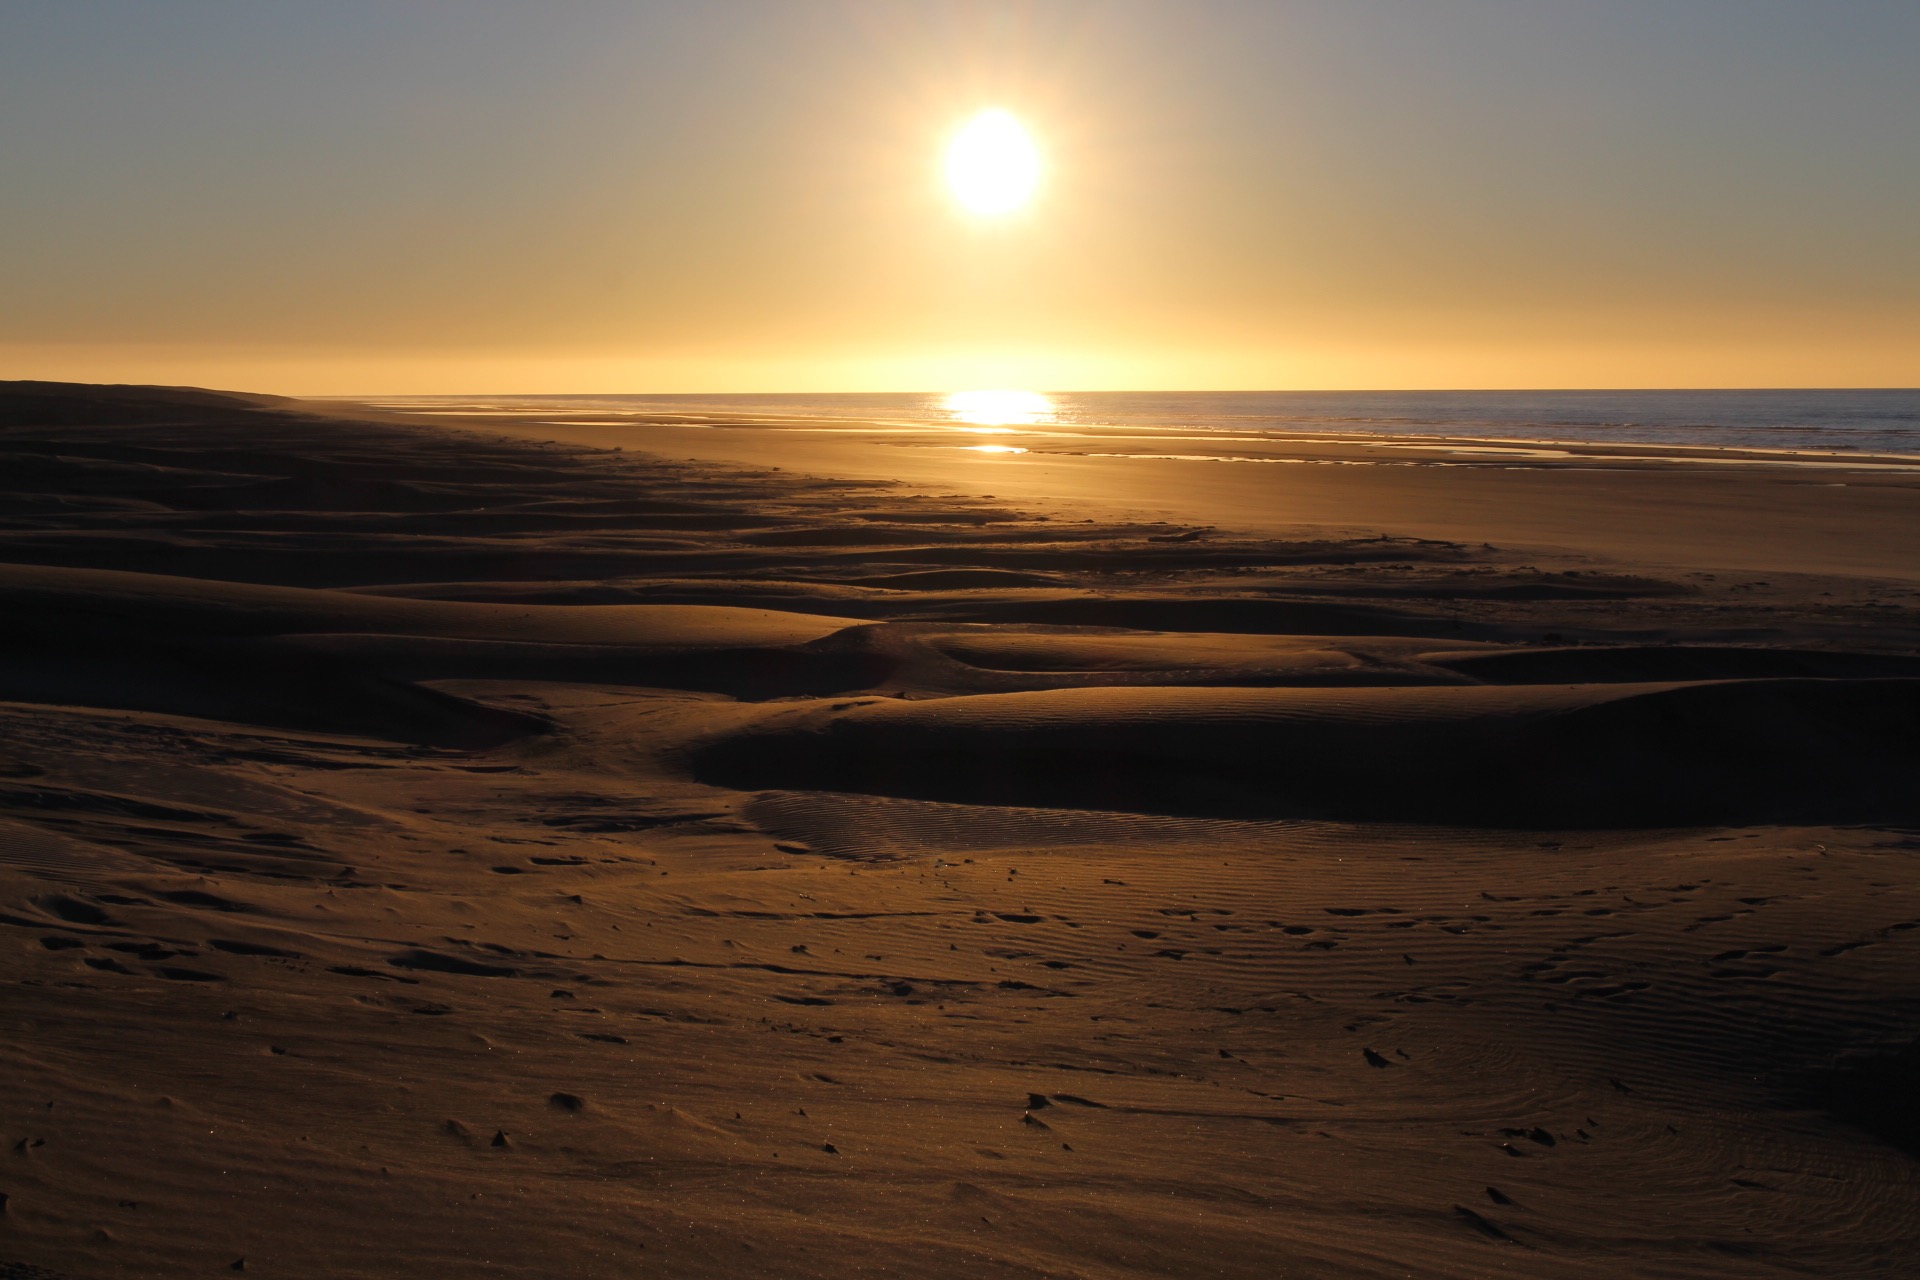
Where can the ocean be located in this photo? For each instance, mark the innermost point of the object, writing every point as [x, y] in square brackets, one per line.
[1880, 422]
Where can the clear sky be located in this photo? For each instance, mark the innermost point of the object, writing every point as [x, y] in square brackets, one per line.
[365, 196]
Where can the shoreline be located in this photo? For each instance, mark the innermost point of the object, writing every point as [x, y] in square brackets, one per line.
[1052, 431]
[1870, 423]
[1685, 508]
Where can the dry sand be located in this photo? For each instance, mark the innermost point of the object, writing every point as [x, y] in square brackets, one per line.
[454, 848]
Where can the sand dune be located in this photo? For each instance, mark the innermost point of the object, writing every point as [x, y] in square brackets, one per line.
[71, 599]
[426, 851]
[1619, 755]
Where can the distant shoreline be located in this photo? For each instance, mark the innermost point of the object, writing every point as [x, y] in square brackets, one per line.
[1679, 506]
[1873, 423]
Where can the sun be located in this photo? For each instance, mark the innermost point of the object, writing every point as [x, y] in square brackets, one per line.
[993, 165]
[998, 410]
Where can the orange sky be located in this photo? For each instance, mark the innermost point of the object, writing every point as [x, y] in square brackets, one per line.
[493, 197]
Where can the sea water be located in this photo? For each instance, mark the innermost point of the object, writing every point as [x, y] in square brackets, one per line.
[1835, 421]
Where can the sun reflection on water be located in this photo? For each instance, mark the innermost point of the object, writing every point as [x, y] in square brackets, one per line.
[1001, 408]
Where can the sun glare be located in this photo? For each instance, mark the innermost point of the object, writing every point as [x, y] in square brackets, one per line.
[999, 408]
[993, 165]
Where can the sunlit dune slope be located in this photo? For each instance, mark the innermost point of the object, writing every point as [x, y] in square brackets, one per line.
[74, 597]
[345, 662]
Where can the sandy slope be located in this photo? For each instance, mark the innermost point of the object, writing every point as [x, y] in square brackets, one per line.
[426, 853]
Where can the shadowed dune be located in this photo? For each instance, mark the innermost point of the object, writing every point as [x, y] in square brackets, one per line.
[1879, 1092]
[1673, 662]
[346, 662]
[1795, 751]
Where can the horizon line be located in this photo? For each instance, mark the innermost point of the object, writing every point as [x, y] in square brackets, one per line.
[1108, 391]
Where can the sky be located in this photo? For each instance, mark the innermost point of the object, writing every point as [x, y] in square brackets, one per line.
[429, 196]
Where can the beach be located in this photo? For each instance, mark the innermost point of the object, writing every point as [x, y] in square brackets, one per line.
[504, 844]
[1679, 506]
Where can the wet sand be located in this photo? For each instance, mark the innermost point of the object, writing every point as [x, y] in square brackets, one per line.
[452, 847]
[1677, 507]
